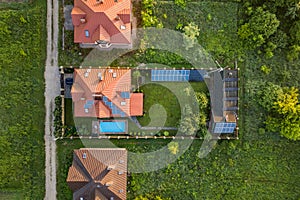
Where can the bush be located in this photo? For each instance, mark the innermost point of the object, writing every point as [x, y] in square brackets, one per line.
[57, 117]
[148, 17]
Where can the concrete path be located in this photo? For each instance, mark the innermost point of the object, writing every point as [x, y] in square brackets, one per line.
[136, 121]
[51, 91]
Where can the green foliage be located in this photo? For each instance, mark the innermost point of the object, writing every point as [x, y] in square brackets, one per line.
[189, 124]
[217, 35]
[283, 109]
[150, 197]
[181, 3]
[295, 32]
[191, 32]
[287, 102]
[173, 147]
[148, 17]
[166, 133]
[202, 100]
[261, 25]
[293, 53]
[267, 94]
[265, 69]
[57, 117]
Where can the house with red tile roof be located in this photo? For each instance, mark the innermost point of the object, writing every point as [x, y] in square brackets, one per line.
[102, 22]
[98, 174]
[105, 93]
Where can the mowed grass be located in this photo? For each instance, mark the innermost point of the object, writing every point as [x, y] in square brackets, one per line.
[22, 61]
[69, 119]
[161, 106]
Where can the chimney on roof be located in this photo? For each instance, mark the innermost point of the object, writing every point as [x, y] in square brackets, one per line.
[84, 155]
[117, 17]
[100, 76]
[120, 172]
[82, 20]
[114, 75]
[123, 27]
[100, 1]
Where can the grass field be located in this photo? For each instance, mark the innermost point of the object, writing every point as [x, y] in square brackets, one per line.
[23, 52]
[217, 22]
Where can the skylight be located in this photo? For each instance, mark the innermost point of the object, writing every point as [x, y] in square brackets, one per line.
[87, 33]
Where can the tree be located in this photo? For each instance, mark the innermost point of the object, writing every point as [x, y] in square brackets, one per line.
[293, 10]
[261, 25]
[267, 95]
[173, 147]
[202, 100]
[190, 121]
[295, 32]
[287, 102]
[191, 32]
[285, 116]
[180, 3]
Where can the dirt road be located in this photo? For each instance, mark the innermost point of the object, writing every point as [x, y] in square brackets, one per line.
[51, 91]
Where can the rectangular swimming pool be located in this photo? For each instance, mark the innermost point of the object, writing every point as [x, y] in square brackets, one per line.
[112, 126]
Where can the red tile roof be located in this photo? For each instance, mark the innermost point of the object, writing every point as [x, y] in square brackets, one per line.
[101, 21]
[98, 174]
[136, 106]
[91, 86]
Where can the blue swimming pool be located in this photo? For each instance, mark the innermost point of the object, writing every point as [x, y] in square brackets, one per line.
[113, 127]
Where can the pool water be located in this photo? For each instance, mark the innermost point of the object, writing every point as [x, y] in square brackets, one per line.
[112, 127]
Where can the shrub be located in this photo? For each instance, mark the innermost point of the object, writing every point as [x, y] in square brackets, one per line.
[57, 117]
[265, 69]
[166, 133]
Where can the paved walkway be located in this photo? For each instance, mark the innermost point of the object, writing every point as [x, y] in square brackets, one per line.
[52, 90]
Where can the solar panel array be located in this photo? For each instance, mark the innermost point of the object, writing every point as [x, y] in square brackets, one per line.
[170, 75]
[125, 95]
[114, 109]
[224, 127]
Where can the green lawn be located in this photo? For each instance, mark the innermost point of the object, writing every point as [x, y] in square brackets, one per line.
[161, 106]
[15, 195]
[22, 61]
[69, 121]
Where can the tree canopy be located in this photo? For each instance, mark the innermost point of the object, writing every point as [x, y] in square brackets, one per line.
[284, 111]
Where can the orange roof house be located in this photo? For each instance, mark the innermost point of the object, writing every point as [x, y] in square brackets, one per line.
[105, 93]
[98, 174]
[102, 21]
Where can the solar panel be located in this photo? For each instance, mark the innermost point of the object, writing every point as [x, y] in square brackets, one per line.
[170, 75]
[224, 127]
[125, 95]
[88, 104]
